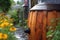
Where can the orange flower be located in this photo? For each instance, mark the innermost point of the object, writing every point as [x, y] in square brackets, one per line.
[12, 29]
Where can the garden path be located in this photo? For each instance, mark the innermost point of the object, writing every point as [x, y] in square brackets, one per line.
[20, 34]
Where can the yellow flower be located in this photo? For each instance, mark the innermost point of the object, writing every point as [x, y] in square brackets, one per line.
[1, 35]
[4, 36]
[5, 20]
[11, 24]
[4, 24]
[1, 20]
[12, 29]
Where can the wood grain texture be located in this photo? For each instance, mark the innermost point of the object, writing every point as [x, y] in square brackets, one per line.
[44, 23]
[29, 23]
[51, 21]
[38, 21]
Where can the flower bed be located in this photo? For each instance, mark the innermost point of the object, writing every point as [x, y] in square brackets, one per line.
[7, 28]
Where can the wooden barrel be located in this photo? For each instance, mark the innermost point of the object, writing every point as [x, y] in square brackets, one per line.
[39, 20]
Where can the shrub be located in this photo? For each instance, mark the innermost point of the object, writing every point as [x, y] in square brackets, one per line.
[5, 5]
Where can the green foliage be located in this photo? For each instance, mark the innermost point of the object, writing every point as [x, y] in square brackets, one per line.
[5, 5]
[13, 14]
[51, 29]
[49, 33]
[12, 2]
[57, 32]
[19, 2]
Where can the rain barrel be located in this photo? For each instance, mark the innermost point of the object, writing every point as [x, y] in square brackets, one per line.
[39, 19]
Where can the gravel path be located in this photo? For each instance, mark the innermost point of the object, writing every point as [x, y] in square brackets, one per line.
[20, 34]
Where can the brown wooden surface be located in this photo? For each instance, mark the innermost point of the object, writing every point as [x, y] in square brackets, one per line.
[38, 21]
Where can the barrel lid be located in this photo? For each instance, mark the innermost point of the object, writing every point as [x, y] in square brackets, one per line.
[46, 6]
[51, 1]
